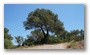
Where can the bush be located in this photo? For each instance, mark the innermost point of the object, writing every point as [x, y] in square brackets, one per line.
[8, 44]
[78, 38]
[53, 40]
[76, 45]
[28, 42]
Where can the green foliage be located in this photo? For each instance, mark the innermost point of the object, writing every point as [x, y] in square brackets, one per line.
[44, 20]
[37, 34]
[6, 30]
[53, 40]
[76, 35]
[29, 41]
[19, 40]
[7, 36]
[66, 36]
[7, 40]
[8, 44]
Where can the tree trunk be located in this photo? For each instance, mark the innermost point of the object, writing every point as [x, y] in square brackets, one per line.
[45, 39]
[46, 36]
[43, 31]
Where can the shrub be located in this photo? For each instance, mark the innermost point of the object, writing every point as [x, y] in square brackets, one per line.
[76, 45]
[53, 40]
[8, 44]
[28, 42]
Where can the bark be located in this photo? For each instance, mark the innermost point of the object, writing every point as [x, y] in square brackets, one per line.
[45, 39]
[43, 31]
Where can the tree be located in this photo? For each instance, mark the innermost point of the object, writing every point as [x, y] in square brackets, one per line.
[45, 20]
[19, 40]
[7, 39]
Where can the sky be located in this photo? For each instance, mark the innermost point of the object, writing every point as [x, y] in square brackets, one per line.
[72, 15]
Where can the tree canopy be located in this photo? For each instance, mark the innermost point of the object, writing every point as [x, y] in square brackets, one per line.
[44, 20]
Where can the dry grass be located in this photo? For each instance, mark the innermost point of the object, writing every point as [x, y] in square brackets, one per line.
[76, 45]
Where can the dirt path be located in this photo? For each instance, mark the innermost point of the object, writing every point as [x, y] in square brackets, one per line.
[49, 46]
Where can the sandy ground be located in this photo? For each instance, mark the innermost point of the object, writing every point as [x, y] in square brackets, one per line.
[48, 46]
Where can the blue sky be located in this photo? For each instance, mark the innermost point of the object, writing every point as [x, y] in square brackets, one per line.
[72, 15]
